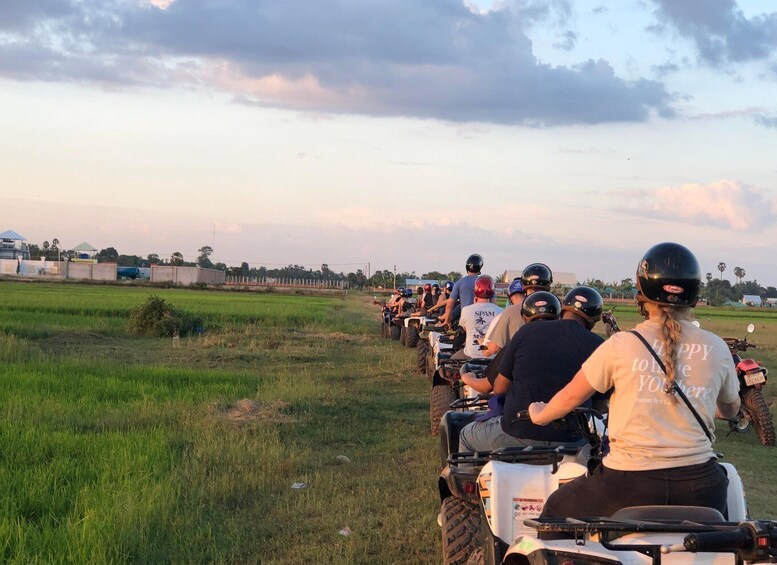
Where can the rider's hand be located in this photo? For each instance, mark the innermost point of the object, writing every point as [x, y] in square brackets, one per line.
[535, 410]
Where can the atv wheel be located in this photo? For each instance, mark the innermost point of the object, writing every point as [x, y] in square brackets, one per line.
[402, 335]
[460, 527]
[395, 331]
[411, 336]
[442, 396]
[430, 364]
[422, 350]
[757, 411]
[383, 329]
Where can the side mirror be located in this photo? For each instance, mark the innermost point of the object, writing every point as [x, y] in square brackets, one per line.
[750, 328]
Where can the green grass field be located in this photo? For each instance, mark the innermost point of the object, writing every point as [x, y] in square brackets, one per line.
[118, 449]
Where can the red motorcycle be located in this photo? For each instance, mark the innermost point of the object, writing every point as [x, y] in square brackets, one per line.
[752, 379]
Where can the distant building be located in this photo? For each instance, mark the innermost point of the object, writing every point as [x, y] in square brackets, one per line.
[13, 246]
[84, 253]
[751, 300]
[419, 282]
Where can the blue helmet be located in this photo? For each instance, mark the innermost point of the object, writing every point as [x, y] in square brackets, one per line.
[448, 286]
[401, 291]
[408, 292]
[515, 287]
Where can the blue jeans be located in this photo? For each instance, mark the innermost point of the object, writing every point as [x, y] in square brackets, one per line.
[488, 435]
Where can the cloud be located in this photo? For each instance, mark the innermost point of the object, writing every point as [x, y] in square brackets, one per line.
[420, 58]
[719, 29]
[767, 121]
[567, 41]
[726, 203]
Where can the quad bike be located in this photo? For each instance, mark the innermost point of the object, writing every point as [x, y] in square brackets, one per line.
[752, 379]
[459, 519]
[429, 333]
[514, 484]
[385, 323]
[447, 386]
[413, 327]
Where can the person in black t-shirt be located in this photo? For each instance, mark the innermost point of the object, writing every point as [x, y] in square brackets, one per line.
[542, 357]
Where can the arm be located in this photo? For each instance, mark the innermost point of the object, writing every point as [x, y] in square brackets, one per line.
[727, 410]
[502, 384]
[492, 349]
[480, 385]
[569, 397]
[448, 307]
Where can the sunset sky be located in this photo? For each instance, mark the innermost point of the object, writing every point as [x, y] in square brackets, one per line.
[407, 132]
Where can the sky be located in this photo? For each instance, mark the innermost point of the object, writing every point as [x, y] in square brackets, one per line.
[403, 132]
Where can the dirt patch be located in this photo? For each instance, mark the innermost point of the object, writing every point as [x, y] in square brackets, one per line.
[247, 410]
[340, 336]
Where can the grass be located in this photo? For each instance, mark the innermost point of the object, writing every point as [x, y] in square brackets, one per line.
[120, 449]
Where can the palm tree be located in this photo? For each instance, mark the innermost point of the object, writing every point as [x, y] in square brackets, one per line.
[721, 268]
[709, 277]
[739, 272]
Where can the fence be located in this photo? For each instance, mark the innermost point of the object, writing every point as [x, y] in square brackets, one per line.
[286, 282]
[186, 275]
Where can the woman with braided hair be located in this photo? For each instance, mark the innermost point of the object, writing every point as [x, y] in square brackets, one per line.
[660, 446]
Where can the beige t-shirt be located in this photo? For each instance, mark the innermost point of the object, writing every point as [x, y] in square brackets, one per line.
[647, 429]
[503, 329]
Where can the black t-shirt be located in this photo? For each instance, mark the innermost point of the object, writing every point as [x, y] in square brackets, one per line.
[541, 359]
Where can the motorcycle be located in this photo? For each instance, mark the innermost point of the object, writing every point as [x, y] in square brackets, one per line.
[752, 378]
[609, 321]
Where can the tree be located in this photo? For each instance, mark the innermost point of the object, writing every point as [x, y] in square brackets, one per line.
[244, 270]
[153, 259]
[453, 276]
[108, 255]
[721, 268]
[708, 276]
[203, 260]
[739, 273]
[718, 291]
[434, 276]
[176, 258]
[129, 261]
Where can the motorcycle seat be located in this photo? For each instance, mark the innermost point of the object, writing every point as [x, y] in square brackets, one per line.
[680, 513]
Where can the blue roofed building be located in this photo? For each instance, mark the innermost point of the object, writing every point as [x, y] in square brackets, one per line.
[13, 246]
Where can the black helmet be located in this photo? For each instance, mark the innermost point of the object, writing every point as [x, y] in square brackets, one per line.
[669, 274]
[537, 276]
[585, 302]
[541, 305]
[474, 263]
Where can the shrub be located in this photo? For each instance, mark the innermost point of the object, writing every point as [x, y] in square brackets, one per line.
[158, 318]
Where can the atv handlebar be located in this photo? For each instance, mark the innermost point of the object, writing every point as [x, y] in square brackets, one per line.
[751, 541]
[710, 542]
[736, 344]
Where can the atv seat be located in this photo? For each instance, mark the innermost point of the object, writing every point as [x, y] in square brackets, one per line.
[681, 513]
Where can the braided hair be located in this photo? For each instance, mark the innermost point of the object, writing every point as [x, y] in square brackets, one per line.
[670, 335]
